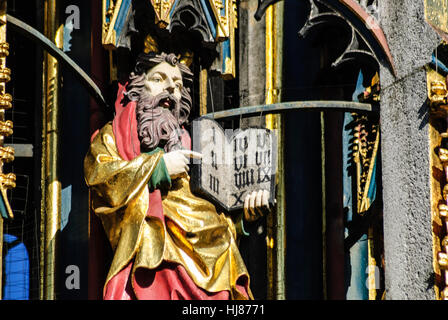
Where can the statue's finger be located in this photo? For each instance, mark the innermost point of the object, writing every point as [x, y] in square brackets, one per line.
[265, 198]
[246, 207]
[252, 203]
[191, 154]
[259, 198]
[185, 159]
[246, 201]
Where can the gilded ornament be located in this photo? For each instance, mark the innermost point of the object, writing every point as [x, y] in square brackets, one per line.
[187, 58]
[162, 10]
[445, 242]
[150, 44]
[5, 74]
[108, 15]
[436, 14]
[439, 92]
[8, 181]
[5, 101]
[445, 294]
[443, 154]
[6, 128]
[445, 192]
[110, 10]
[7, 154]
[443, 210]
[443, 260]
[437, 95]
[4, 49]
[365, 148]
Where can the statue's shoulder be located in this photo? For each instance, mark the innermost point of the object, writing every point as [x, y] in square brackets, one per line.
[103, 140]
[106, 130]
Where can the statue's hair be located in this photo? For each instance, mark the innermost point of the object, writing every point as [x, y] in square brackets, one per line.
[136, 85]
[157, 126]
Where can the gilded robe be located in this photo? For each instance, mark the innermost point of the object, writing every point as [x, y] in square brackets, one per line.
[170, 236]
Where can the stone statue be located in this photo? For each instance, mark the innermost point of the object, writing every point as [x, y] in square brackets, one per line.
[168, 243]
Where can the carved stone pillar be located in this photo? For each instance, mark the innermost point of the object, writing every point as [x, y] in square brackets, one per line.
[252, 58]
[405, 152]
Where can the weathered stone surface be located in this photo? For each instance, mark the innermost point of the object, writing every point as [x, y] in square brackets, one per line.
[252, 60]
[405, 152]
[234, 163]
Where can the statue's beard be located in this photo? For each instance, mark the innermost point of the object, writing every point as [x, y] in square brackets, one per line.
[158, 126]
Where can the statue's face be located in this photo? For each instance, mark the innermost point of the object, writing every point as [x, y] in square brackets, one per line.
[164, 78]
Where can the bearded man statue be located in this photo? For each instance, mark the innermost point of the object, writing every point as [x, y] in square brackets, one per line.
[168, 243]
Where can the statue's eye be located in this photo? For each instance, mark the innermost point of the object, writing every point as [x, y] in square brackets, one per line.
[178, 85]
[156, 78]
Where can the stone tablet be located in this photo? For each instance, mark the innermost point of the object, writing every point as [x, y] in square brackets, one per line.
[234, 163]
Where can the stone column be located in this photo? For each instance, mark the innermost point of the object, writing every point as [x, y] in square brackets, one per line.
[405, 152]
[252, 60]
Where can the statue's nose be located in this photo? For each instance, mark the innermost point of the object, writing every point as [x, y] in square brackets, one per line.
[169, 85]
[169, 89]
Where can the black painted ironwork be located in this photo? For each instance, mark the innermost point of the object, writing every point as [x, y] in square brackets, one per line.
[34, 35]
[345, 106]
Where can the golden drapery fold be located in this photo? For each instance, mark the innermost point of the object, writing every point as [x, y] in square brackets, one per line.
[192, 233]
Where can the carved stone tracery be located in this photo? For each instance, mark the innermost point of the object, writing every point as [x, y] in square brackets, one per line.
[176, 22]
[190, 16]
[322, 14]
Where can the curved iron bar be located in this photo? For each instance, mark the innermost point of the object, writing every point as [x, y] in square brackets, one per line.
[34, 35]
[344, 106]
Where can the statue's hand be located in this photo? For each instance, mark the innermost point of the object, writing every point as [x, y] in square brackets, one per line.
[176, 162]
[255, 204]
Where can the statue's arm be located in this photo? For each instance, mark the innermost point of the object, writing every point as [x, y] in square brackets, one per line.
[239, 225]
[116, 181]
[160, 178]
[256, 205]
